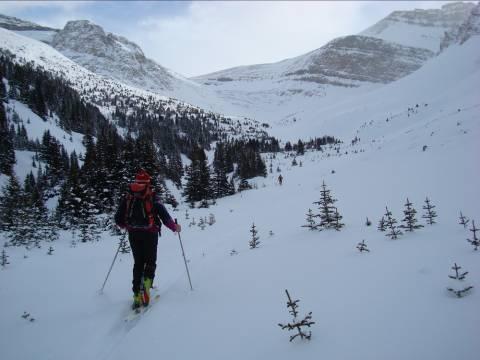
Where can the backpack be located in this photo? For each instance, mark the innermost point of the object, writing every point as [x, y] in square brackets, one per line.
[139, 207]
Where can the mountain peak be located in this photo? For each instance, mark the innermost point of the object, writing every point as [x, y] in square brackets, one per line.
[423, 28]
[83, 36]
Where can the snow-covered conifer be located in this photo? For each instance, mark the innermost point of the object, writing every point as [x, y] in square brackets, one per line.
[202, 223]
[4, 259]
[124, 244]
[361, 246]
[211, 219]
[381, 224]
[458, 278]
[337, 225]
[409, 221]
[463, 220]
[390, 224]
[474, 240]
[254, 243]
[430, 214]
[310, 220]
[297, 324]
[329, 216]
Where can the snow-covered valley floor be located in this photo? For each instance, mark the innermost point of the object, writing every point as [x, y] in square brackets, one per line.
[390, 303]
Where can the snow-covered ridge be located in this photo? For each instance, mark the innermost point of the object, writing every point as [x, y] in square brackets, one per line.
[99, 90]
[13, 23]
[419, 27]
[120, 59]
[469, 28]
[345, 61]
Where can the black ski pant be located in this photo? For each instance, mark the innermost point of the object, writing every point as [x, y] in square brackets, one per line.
[144, 250]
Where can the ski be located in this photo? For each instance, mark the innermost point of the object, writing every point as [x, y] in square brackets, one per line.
[137, 313]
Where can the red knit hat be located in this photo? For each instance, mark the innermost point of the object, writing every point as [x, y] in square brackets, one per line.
[142, 177]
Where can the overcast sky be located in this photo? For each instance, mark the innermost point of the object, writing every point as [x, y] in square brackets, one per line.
[195, 38]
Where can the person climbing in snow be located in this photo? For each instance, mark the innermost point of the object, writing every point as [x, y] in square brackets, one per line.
[141, 213]
[280, 179]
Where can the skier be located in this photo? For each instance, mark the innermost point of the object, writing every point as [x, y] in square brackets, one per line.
[280, 179]
[140, 212]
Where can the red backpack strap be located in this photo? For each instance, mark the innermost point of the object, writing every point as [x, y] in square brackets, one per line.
[149, 195]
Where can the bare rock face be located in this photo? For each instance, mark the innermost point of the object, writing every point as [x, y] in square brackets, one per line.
[110, 55]
[359, 58]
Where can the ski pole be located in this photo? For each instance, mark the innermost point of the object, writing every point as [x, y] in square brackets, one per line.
[184, 259]
[111, 266]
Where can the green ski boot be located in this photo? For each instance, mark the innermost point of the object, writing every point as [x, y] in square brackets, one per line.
[137, 300]
[147, 285]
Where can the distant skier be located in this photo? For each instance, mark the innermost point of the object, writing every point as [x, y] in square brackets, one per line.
[280, 179]
[140, 212]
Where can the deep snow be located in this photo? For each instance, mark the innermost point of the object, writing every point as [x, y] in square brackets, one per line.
[391, 303]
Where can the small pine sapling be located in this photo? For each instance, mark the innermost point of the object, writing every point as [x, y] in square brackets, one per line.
[381, 224]
[430, 214]
[329, 216]
[410, 221]
[337, 225]
[124, 246]
[211, 219]
[254, 243]
[459, 277]
[463, 220]
[362, 246]
[202, 224]
[28, 317]
[187, 215]
[310, 220]
[295, 324]
[50, 251]
[390, 224]
[368, 222]
[233, 252]
[474, 241]
[4, 259]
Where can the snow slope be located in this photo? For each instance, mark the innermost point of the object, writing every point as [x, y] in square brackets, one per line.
[420, 28]
[391, 303]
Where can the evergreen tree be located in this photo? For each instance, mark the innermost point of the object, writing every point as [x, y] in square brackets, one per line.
[458, 277]
[11, 204]
[254, 243]
[390, 223]
[430, 214]
[197, 186]
[409, 221]
[124, 245]
[381, 224]
[361, 246]
[7, 153]
[310, 220]
[296, 324]
[4, 259]
[329, 216]
[300, 148]
[463, 220]
[475, 241]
